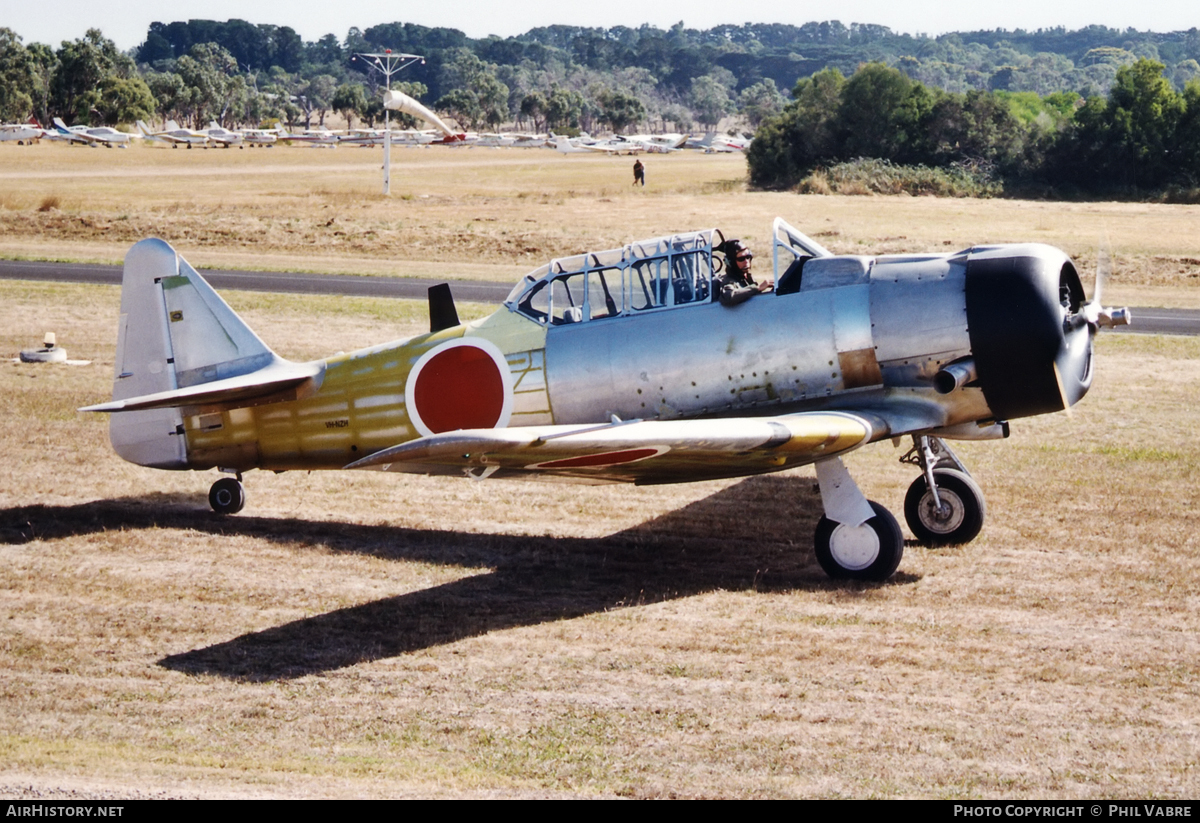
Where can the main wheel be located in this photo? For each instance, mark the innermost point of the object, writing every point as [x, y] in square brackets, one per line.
[960, 518]
[871, 551]
[227, 496]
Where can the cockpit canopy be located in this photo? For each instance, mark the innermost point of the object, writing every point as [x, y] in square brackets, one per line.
[660, 273]
[647, 275]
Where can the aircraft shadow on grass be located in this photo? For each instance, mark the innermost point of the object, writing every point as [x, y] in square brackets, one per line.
[729, 540]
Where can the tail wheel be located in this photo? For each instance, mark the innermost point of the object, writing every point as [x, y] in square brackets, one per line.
[960, 518]
[227, 496]
[871, 551]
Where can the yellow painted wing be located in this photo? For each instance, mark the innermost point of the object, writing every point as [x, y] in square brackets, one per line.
[643, 452]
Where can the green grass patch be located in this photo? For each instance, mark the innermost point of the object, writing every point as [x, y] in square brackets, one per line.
[873, 176]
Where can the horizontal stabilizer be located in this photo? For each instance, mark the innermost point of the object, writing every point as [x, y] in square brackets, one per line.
[658, 451]
[231, 393]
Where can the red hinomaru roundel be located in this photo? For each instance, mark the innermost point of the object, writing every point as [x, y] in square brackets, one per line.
[461, 384]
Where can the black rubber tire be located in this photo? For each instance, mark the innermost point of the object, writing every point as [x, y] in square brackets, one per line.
[966, 515]
[863, 561]
[227, 496]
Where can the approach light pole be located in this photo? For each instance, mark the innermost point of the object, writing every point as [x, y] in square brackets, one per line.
[387, 63]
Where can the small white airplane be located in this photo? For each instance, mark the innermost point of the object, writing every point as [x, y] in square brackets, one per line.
[61, 133]
[224, 137]
[492, 139]
[174, 135]
[375, 137]
[361, 137]
[260, 137]
[713, 143]
[529, 141]
[23, 133]
[659, 143]
[565, 145]
[729, 143]
[508, 139]
[413, 137]
[321, 137]
[93, 136]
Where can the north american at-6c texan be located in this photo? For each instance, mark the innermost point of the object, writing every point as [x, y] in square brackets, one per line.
[620, 365]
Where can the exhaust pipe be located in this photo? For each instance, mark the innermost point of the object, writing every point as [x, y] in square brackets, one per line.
[955, 375]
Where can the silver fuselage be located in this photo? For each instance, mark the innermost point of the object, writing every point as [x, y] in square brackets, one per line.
[860, 332]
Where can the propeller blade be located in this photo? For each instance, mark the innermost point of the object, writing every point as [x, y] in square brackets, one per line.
[1103, 269]
[1062, 391]
[1094, 312]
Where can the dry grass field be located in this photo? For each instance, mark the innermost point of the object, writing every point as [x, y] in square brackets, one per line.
[493, 214]
[363, 635]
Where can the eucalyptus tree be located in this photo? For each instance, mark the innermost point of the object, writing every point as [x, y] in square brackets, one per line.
[564, 110]
[316, 97]
[350, 100]
[710, 100]
[210, 74]
[87, 71]
[803, 135]
[619, 109]
[172, 97]
[481, 97]
[17, 78]
[760, 101]
[533, 107]
[1130, 140]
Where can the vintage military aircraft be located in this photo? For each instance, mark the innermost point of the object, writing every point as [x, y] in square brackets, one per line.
[618, 366]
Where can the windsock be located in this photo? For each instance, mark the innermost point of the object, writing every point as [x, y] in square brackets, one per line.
[399, 101]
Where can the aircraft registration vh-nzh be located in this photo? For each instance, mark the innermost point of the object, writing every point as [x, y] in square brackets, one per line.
[619, 366]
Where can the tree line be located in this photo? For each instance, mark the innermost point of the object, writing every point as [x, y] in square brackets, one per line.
[1087, 108]
[1143, 136]
[243, 74]
[554, 77]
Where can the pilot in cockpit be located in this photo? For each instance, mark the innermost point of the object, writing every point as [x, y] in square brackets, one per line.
[736, 284]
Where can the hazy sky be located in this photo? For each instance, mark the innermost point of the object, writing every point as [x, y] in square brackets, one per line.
[51, 21]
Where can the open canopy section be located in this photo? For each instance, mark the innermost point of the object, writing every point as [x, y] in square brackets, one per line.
[647, 275]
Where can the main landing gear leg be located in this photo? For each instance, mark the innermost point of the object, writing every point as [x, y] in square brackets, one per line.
[857, 538]
[944, 506]
[227, 495]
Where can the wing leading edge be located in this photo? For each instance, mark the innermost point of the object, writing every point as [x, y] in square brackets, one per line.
[642, 452]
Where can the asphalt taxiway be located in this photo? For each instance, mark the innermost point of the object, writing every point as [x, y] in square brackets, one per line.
[1146, 320]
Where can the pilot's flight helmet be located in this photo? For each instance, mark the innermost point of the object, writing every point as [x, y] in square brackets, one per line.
[731, 248]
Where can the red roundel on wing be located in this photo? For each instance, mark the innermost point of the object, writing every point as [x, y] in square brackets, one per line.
[459, 388]
[605, 459]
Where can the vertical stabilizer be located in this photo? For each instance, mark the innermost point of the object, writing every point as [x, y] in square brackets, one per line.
[174, 332]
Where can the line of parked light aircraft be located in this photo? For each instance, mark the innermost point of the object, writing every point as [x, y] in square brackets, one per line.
[219, 137]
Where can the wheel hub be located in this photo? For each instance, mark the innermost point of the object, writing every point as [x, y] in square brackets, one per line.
[946, 518]
[854, 547]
